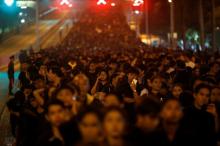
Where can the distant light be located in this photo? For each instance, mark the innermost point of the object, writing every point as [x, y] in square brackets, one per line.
[9, 2]
[70, 5]
[138, 2]
[23, 7]
[137, 12]
[101, 2]
[64, 2]
[22, 21]
[20, 14]
[217, 28]
[113, 4]
[170, 1]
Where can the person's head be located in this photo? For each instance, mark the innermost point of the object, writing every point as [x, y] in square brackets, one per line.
[54, 73]
[201, 95]
[214, 68]
[114, 122]
[171, 112]
[155, 83]
[103, 75]
[12, 58]
[55, 113]
[112, 100]
[215, 94]
[39, 83]
[82, 81]
[132, 74]
[92, 67]
[67, 94]
[177, 90]
[90, 124]
[27, 89]
[196, 83]
[147, 115]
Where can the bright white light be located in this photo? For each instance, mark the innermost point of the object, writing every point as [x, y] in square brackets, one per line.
[70, 5]
[138, 2]
[20, 14]
[170, 1]
[101, 2]
[24, 7]
[112, 4]
[217, 28]
[136, 12]
[9, 2]
[64, 2]
[22, 21]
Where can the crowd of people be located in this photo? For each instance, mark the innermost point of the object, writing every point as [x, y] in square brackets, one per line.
[103, 87]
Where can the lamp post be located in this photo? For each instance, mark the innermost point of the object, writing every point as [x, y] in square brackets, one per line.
[172, 45]
[37, 26]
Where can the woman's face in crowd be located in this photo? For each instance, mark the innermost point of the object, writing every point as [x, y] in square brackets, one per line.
[202, 97]
[56, 115]
[172, 112]
[156, 84]
[90, 128]
[114, 124]
[215, 95]
[66, 96]
[103, 76]
[177, 90]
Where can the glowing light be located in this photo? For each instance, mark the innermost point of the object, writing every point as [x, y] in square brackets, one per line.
[170, 1]
[64, 2]
[138, 2]
[101, 2]
[22, 21]
[9, 2]
[113, 4]
[137, 12]
[20, 14]
[70, 5]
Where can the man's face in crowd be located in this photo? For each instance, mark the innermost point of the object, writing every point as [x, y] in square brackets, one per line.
[202, 97]
[56, 115]
[172, 112]
[92, 67]
[66, 96]
[215, 68]
[147, 123]
[114, 124]
[215, 95]
[90, 128]
[82, 82]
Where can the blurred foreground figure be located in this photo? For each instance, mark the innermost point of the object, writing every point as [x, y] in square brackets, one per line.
[11, 74]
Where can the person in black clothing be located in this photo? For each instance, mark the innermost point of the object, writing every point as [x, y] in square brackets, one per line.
[55, 114]
[199, 121]
[147, 121]
[11, 74]
[170, 132]
[101, 84]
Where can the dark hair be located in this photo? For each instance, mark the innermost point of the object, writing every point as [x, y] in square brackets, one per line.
[148, 107]
[89, 110]
[133, 70]
[170, 99]
[56, 70]
[115, 108]
[201, 86]
[53, 102]
[69, 87]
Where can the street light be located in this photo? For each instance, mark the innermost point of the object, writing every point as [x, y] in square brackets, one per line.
[172, 23]
[37, 26]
